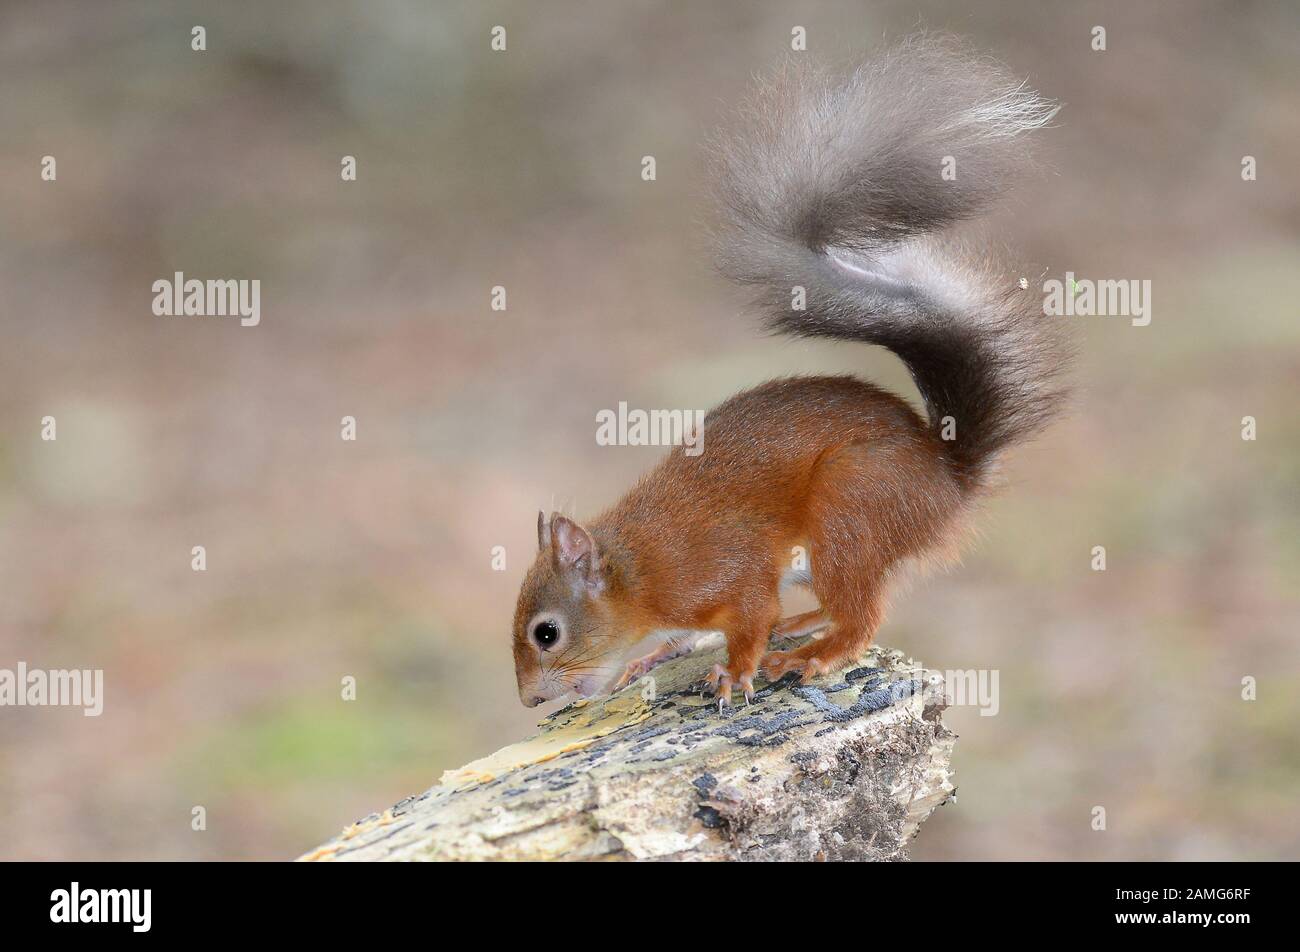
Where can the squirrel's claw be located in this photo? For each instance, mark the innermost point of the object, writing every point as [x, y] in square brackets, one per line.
[746, 682]
[719, 679]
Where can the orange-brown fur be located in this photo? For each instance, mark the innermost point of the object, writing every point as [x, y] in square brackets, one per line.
[834, 464]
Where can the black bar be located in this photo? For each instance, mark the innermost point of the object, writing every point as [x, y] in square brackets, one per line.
[529, 902]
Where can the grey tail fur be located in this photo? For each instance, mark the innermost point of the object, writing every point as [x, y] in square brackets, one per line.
[835, 186]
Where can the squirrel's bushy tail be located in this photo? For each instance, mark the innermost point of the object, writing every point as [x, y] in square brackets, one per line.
[835, 185]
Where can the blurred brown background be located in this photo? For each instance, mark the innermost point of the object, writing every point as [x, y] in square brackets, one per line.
[373, 559]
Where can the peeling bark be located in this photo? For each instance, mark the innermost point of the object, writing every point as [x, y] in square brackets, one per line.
[845, 768]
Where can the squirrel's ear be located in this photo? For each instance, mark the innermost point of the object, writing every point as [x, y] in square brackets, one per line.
[543, 532]
[575, 550]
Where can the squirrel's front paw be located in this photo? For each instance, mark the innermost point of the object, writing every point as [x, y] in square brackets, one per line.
[721, 680]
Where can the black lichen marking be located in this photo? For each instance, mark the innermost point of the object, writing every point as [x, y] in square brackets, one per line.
[602, 747]
[867, 702]
[787, 681]
[706, 783]
[904, 689]
[691, 741]
[857, 674]
[555, 775]
[817, 698]
[874, 700]
[709, 817]
[664, 755]
[402, 807]
[756, 731]
[648, 732]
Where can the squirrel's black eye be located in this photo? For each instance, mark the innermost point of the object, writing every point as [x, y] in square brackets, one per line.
[546, 634]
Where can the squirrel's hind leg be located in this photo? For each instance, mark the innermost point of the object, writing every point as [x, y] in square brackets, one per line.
[849, 637]
[796, 626]
[871, 506]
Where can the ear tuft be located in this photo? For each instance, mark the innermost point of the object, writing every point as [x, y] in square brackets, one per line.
[543, 532]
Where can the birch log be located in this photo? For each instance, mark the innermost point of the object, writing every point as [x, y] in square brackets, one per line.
[844, 768]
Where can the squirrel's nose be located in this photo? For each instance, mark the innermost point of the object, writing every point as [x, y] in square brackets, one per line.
[531, 700]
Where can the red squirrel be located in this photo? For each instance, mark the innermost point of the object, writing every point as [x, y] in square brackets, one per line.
[831, 191]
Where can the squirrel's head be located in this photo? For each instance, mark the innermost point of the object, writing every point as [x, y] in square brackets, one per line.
[563, 632]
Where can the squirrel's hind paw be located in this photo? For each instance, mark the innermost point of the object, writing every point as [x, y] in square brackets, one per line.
[801, 661]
